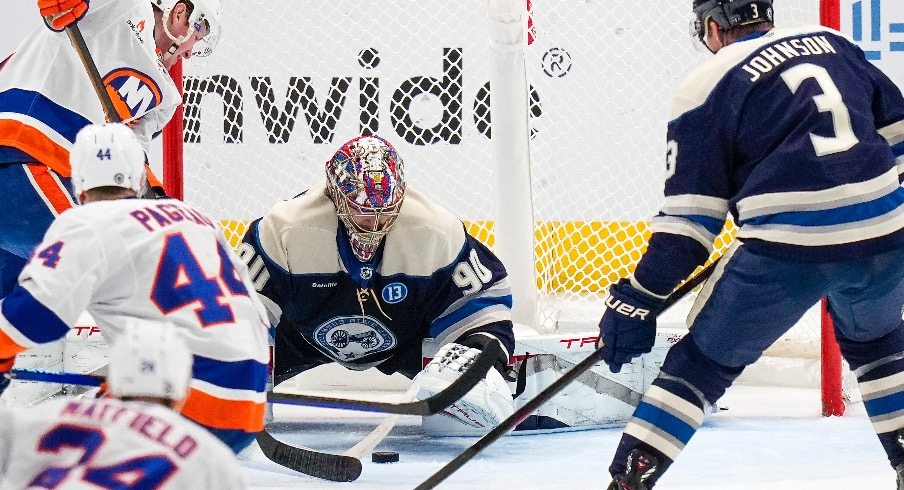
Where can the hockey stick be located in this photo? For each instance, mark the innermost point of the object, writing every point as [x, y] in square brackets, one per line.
[56, 377]
[381, 431]
[429, 406]
[343, 467]
[522, 413]
[335, 467]
[78, 42]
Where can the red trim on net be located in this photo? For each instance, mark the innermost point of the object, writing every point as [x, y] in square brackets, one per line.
[830, 14]
[832, 396]
[173, 181]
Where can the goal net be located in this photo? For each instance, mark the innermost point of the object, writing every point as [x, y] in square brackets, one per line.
[289, 83]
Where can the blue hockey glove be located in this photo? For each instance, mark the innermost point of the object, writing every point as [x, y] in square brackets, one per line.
[6, 365]
[628, 326]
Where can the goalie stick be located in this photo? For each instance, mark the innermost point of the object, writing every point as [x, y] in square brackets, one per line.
[428, 406]
[343, 467]
[522, 413]
[335, 467]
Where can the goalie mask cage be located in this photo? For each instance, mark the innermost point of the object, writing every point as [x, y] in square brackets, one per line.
[563, 190]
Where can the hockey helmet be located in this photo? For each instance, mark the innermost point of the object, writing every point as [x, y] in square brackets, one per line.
[366, 182]
[204, 19]
[149, 359]
[107, 155]
[729, 13]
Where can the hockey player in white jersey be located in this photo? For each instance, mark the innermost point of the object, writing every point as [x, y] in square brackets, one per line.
[119, 257]
[46, 97]
[133, 440]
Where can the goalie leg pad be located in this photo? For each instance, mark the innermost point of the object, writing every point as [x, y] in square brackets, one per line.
[476, 413]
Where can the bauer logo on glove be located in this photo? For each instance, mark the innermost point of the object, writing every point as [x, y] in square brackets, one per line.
[628, 328]
[629, 311]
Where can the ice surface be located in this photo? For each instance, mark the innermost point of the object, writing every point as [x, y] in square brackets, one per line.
[769, 438]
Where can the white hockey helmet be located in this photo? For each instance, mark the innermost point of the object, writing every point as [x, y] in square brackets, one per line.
[149, 359]
[107, 155]
[204, 19]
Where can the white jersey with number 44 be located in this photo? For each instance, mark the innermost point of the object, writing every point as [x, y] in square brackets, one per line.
[155, 260]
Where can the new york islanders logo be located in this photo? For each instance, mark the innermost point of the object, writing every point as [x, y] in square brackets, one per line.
[133, 93]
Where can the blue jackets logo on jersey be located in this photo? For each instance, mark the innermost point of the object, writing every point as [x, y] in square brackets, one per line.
[349, 338]
[134, 93]
[395, 292]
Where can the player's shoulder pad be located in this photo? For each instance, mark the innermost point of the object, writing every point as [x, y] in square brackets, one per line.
[299, 234]
[425, 238]
[697, 86]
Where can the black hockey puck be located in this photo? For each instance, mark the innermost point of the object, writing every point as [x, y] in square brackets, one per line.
[385, 457]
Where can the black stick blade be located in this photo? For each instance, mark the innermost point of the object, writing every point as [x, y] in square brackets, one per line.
[333, 467]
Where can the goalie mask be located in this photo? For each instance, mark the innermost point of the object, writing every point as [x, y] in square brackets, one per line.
[107, 155]
[149, 359]
[204, 20]
[366, 182]
[728, 14]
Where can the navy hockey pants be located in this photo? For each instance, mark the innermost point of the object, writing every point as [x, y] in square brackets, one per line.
[751, 300]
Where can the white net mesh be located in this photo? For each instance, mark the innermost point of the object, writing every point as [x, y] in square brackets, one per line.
[288, 84]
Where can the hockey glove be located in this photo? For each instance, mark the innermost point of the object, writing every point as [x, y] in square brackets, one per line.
[628, 326]
[476, 413]
[60, 14]
[6, 365]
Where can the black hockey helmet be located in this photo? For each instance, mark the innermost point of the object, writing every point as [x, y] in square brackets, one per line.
[730, 13]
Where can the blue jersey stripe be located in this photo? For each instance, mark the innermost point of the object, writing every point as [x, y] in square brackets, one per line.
[898, 149]
[440, 325]
[65, 122]
[884, 405]
[32, 318]
[237, 375]
[846, 214]
[666, 421]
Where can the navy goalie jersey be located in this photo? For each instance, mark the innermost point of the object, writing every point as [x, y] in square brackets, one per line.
[795, 135]
[429, 279]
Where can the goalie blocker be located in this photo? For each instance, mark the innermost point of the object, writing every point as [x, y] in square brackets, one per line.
[598, 398]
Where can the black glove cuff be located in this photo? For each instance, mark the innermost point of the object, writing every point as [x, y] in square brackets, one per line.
[480, 341]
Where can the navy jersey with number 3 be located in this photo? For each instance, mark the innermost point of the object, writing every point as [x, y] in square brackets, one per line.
[796, 135]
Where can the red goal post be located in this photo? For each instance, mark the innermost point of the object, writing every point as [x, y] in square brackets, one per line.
[596, 81]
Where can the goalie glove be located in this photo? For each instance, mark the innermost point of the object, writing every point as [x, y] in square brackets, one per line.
[60, 14]
[476, 413]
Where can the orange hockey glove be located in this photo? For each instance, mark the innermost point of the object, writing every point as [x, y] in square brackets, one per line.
[59, 14]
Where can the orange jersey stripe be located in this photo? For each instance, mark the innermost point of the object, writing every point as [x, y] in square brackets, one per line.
[224, 414]
[36, 144]
[50, 187]
[152, 179]
[8, 347]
